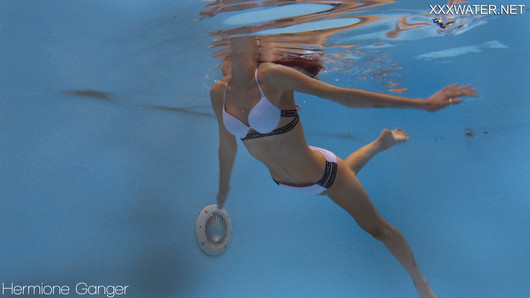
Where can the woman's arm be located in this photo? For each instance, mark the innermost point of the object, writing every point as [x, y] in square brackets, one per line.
[227, 147]
[287, 78]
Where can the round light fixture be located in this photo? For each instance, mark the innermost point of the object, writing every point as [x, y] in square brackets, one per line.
[213, 230]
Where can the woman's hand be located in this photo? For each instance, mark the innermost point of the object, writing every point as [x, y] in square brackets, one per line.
[448, 96]
[221, 196]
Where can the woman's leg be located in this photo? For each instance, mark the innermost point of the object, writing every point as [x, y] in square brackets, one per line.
[349, 194]
[388, 138]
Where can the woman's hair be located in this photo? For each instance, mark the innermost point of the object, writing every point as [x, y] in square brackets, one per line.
[310, 67]
[308, 64]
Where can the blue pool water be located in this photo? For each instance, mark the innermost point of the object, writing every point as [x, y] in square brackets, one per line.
[108, 150]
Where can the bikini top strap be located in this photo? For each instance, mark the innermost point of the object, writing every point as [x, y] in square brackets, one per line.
[257, 82]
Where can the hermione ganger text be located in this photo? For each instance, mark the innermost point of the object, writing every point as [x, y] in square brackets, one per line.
[55, 290]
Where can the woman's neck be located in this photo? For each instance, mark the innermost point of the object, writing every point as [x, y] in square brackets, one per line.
[243, 76]
[243, 69]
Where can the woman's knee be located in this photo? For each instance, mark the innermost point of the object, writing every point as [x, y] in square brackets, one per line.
[381, 231]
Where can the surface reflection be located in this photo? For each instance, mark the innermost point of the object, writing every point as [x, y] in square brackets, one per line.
[353, 38]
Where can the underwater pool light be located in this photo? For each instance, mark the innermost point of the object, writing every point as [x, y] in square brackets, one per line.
[213, 230]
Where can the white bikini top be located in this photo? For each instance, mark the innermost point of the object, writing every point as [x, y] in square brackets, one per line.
[263, 117]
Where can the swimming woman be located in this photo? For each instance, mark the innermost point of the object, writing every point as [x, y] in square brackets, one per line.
[255, 103]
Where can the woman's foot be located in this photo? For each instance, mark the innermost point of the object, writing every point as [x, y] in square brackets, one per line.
[389, 138]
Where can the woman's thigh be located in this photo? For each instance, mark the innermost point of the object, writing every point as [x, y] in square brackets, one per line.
[348, 192]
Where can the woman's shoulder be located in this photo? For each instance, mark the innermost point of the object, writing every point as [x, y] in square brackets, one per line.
[270, 67]
[275, 70]
[217, 93]
[219, 86]
[278, 75]
[271, 72]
